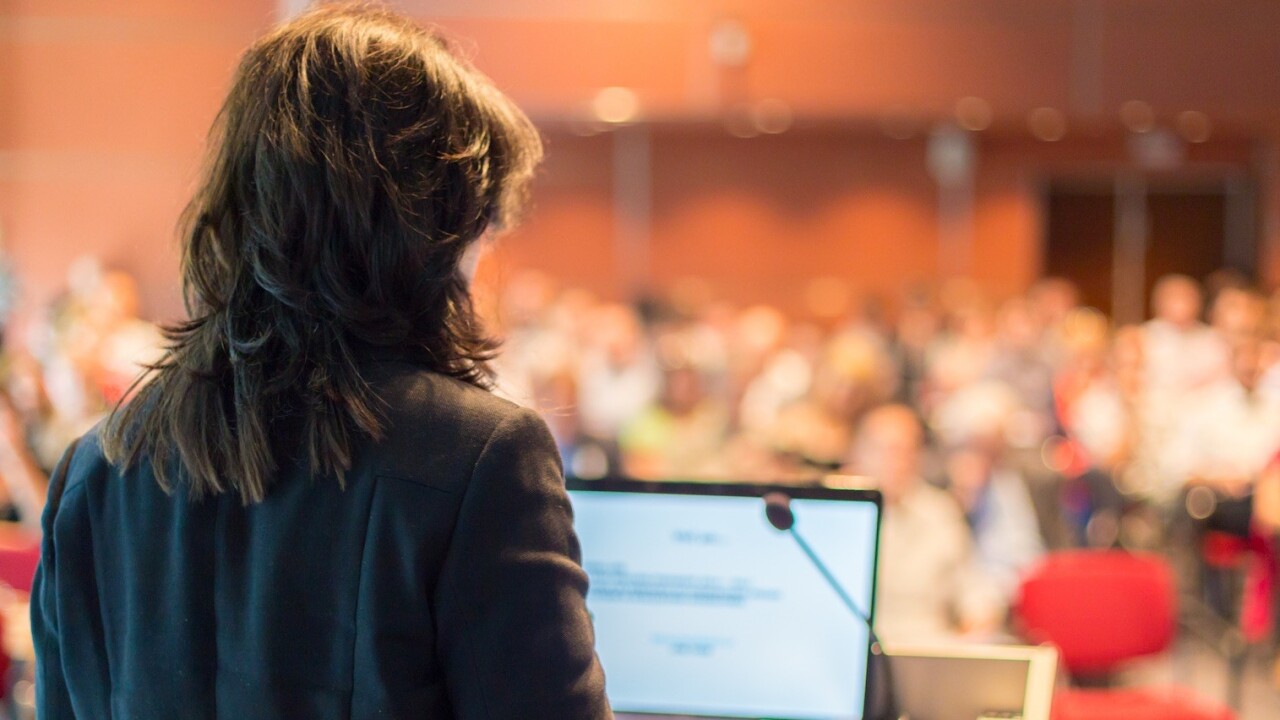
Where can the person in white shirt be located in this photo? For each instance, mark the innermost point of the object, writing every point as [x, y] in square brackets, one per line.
[1181, 356]
[1227, 432]
[618, 376]
[998, 508]
[930, 586]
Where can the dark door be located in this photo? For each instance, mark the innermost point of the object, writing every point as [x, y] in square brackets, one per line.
[1081, 240]
[1186, 235]
[1190, 229]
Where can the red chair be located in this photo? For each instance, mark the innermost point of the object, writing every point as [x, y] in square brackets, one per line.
[18, 564]
[1103, 608]
[1222, 551]
[19, 556]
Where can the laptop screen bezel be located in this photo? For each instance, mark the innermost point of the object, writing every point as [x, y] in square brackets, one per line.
[759, 490]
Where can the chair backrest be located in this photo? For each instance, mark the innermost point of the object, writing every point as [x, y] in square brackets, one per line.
[1100, 607]
[18, 565]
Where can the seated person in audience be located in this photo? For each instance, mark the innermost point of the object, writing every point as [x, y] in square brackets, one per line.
[1228, 432]
[1054, 299]
[1181, 356]
[914, 333]
[784, 380]
[931, 586]
[89, 347]
[756, 334]
[534, 346]
[998, 507]
[1020, 362]
[23, 482]
[1238, 314]
[853, 376]
[965, 352]
[681, 434]
[1024, 363]
[1094, 413]
[617, 375]
[555, 396]
[974, 426]
[1181, 352]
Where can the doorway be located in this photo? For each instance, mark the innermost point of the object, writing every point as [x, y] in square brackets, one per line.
[1114, 239]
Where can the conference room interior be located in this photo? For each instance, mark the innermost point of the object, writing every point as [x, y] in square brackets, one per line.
[1014, 265]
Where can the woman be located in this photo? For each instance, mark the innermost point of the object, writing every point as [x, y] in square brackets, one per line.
[314, 509]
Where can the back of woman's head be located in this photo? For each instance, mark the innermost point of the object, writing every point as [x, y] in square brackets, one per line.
[353, 163]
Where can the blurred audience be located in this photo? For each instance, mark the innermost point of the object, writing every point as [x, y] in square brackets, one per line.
[998, 428]
[679, 433]
[1233, 433]
[62, 368]
[1181, 356]
[930, 582]
[998, 509]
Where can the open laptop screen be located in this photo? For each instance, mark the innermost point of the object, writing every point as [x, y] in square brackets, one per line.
[702, 608]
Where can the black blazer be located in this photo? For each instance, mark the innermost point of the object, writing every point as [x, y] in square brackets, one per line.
[442, 583]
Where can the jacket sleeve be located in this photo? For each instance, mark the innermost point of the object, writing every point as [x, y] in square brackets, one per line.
[515, 637]
[53, 701]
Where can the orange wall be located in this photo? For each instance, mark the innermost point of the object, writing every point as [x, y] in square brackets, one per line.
[761, 217]
[105, 107]
[841, 58]
[569, 227]
[758, 218]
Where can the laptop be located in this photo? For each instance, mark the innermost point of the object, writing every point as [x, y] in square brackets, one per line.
[964, 682]
[704, 609]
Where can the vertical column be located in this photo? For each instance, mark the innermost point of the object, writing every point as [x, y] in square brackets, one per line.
[633, 206]
[1128, 275]
[1267, 172]
[1241, 250]
[951, 162]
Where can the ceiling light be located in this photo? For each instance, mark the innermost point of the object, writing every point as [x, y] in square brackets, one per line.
[616, 105]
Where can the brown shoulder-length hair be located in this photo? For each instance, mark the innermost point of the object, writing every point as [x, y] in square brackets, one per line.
[353, 163]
